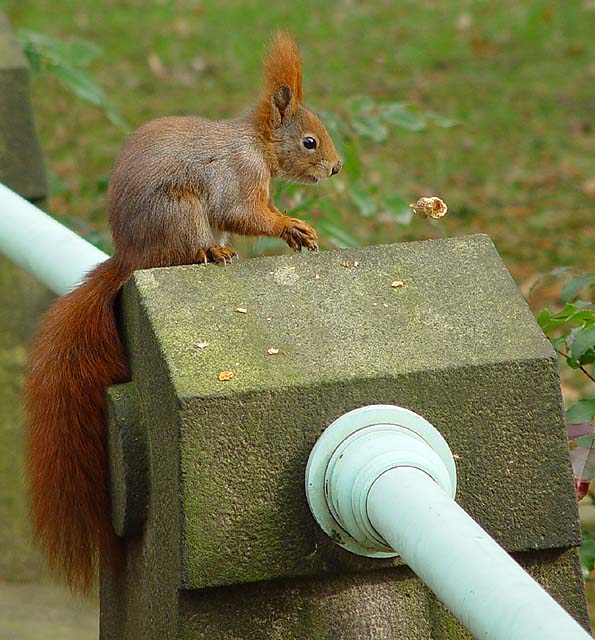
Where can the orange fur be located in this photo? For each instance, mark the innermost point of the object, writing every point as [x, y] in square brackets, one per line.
[283, 65]
[75, 356]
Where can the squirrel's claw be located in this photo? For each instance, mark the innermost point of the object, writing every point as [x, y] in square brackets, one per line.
[298, 234]
[216, 254]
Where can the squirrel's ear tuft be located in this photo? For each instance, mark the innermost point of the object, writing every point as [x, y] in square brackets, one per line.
[283, 66]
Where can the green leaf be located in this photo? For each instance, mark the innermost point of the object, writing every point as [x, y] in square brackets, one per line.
[370, 126]
[587, 554]
[64, 59]
[401, 115]
[115, 118]
[565, 313]
[357, 105]
[73, 52]
[398, 208]
[35, 60]
[584, 341]
[574, 285]
[442, 121]
[351, 160]
[81, 84]
[581, 411]
[586, 316]
[575, 312]
[341, 237]
[585, 441]
[543, 318]
[363, 199]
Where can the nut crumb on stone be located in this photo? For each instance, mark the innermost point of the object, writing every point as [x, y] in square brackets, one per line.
[346, 263]
[226, 375]
[202, 345]
[397, 284]
[272, 351]
[242, 310]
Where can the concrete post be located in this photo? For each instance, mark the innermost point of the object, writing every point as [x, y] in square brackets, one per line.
[207, 472]
[21, 160]
[22, 300]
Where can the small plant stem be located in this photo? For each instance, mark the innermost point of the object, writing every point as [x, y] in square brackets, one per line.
[565, 355]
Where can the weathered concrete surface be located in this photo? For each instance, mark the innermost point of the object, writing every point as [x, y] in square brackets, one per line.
[128, 460]
[21, 161]
[383, 605]
[456, 343]
[22, 300]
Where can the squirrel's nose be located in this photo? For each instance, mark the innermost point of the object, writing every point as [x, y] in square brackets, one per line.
[335, 170]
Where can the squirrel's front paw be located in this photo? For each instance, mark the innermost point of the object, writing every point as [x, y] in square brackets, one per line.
[298, 234]
[216, 254]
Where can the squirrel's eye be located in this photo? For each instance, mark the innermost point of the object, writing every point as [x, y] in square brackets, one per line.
[309, 143]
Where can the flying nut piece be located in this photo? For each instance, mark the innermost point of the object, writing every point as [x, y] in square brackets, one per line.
[431, 207]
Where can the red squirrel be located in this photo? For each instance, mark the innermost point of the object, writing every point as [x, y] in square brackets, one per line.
[179, 186]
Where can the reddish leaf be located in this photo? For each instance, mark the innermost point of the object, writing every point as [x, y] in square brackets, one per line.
[579, 430]
[583, 465]
[581, 487]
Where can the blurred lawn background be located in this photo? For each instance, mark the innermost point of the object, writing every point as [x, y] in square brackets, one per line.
[517, 76]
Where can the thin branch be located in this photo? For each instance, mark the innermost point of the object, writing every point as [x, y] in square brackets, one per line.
[565, 355]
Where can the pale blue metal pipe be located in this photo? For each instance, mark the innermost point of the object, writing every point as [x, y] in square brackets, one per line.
[471, 574]
[382, 480]
[42, 246]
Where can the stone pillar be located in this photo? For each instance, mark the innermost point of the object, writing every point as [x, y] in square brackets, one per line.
[21, 160]
[208, 473]
[22, 300]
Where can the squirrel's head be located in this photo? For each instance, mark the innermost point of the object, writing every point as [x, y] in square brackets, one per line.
[304, 151]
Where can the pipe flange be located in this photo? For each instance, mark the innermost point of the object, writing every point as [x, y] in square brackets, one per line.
[326, 459]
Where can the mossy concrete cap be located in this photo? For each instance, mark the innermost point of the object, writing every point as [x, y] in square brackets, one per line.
[438, 327]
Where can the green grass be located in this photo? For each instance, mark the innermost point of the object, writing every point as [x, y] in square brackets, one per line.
[518, 76]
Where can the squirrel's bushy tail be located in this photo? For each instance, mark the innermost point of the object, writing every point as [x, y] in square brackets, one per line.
[74, 357]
